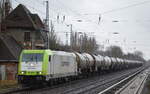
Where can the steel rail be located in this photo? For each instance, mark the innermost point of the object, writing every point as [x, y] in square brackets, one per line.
[95, 84]
[122, 81]
[138, 90]
[28, 89]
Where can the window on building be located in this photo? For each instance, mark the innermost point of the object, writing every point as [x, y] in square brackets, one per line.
[27, 36]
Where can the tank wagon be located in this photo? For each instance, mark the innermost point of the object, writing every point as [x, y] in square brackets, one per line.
[47, 66]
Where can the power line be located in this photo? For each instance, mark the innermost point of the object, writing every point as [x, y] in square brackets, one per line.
[40, 1]
[80, 15]
[41, 5]
[37, 3]
[31, 7]
[120, 9]
[67, 8]
[51, 9]
[129, 6]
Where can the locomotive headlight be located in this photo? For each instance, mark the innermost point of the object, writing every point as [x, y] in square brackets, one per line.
[22, 72]
[31, 64]
[40, 72]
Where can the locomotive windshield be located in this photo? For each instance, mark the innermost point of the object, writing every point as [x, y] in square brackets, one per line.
[34, 57]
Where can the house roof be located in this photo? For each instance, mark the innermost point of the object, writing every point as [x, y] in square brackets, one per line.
[9, 49]
[21, 17]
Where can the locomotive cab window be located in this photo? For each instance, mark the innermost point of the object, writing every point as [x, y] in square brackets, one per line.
[32, 57]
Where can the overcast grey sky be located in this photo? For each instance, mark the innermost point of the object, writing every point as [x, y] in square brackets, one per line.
[132, 15]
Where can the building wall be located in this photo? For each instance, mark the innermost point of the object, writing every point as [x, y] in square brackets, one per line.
[0, 20]
[18, 35]
[0, 26]
[4, 52]
[8, 71]
[0, 17]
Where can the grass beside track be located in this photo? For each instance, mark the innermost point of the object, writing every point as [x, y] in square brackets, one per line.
[6, 85]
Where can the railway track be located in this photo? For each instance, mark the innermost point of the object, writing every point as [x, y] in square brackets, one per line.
[135, 86]
[98, 85]
[82, 86]
[132, 84]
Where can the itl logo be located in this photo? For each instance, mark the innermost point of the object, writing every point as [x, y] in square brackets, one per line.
[65, 63]
[31, 64]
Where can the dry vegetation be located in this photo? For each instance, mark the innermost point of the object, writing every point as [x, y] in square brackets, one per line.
[6, 84]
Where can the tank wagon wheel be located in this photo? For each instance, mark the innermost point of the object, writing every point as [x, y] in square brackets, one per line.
[49, 83]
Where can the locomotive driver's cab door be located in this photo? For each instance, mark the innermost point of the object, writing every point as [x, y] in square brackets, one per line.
[50, 67]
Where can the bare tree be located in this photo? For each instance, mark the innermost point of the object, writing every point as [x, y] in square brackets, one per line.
[53, 39]
[138, 53]
[83, 43]
[114, 51]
